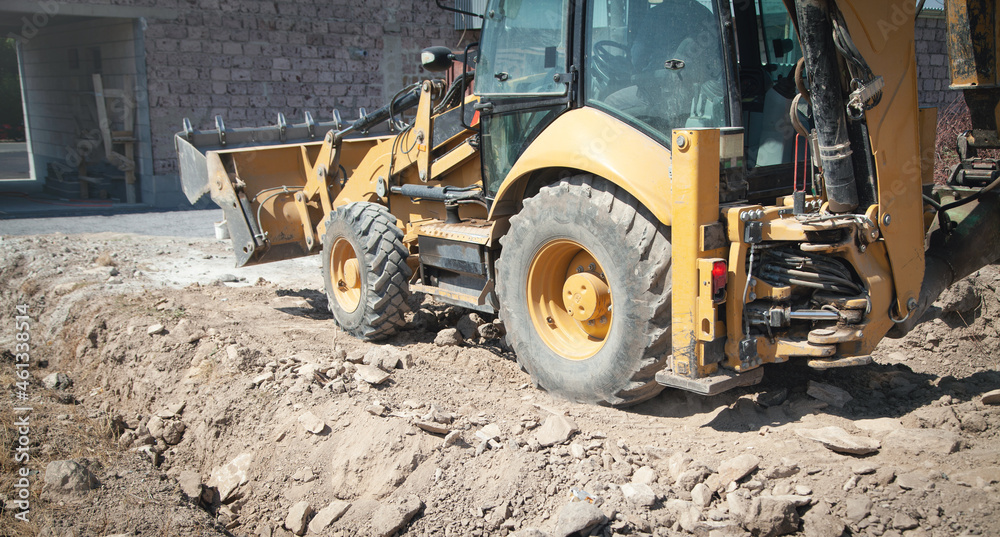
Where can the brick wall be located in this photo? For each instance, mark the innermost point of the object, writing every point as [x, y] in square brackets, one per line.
[932, 62]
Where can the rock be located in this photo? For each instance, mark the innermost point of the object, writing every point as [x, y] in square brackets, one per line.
[376, 410]
[491, 431]
[371, 374]
[452, 437]
[991, 398]
[921, 440]
[155, 329]
[432, 427]
[639, 494]
[328, 515]
[312, 423]
[828, 394]
[858, 508]
[304, 475]
[490, 331]
[903, 522]
[578, 518]
[645, 475]
[390, 518]
[972, 478]
[768, 517]
[691, 477]
[677, 463]
[577, 451]
[468, 325]
[70, 476]
[448, 337]
[231, 476]
[57, 381]
[738, 503]
[701, 495]
[190, 483]
[295, 522]
[263, 377]
[172, 411]
[837, 439]
[424, 319]
[173, 432]
[387, 357]
[772, 398]
[914, 481]
[737, 468]
[156, 426]
[863, 469]
[816, 524]
[555, 430]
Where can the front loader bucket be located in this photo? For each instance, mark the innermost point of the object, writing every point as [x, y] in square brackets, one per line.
[253, 175]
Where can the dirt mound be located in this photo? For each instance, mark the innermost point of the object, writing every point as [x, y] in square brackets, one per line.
[217, 406]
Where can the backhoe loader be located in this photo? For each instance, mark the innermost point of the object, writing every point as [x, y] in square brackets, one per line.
[649, 193]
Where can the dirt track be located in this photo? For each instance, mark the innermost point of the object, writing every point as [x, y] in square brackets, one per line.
[248, 366]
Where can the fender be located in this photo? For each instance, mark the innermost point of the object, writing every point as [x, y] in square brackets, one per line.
[591, 141]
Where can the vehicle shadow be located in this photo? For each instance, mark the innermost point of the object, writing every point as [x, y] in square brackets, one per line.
[878, 391]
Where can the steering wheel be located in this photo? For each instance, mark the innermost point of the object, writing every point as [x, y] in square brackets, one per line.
[611, 68]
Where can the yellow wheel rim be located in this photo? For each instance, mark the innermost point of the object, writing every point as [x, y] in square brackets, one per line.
[569, 300]
[346, 275]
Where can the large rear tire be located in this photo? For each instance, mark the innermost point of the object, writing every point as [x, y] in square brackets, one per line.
[584, 288]
[365, 271]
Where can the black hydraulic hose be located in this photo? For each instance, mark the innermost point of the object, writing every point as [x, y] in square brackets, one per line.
[401, 104]
[827, 97]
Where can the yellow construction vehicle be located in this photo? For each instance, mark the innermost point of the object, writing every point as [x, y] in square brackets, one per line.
[649, 193]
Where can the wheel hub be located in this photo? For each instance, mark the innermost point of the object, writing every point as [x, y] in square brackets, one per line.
[347, 275]
[586, 296]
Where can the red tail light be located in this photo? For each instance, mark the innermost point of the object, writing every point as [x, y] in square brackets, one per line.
[720, 275]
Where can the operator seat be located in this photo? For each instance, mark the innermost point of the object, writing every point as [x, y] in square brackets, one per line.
[662, 29]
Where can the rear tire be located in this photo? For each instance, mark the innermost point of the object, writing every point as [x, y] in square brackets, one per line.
[586, 237]
[365, 271]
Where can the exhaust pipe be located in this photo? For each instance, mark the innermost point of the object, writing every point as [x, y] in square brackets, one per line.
[827, 97]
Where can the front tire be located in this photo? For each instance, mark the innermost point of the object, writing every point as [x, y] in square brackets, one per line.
[365, 271]
[584, 288]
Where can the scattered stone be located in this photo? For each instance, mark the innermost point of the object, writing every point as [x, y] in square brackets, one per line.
[837, 439]
[387, 357]
[903, 522]
[376, 409]
[70, 476]
[768, 516]
[468, 325]
[691, 477]
[173, 432]
[914, 481]
[817, 524]
[490, 331]
[452, 437]
[737, 468]
[390, 518]
[578, 518]
[231, 476]
[57, 381]
[645, 475]
[155, 329]
[920, 440]
[639, 494]
[491, 432]
[172, 411]
[328, 515]
[190, 483]
[432, 427]
[530, 532]
[701, 495]
[773, 398]
[829, 394]
[858, 508]
[979, 477]
[263, 377]
[577, 451]
[448, 337]
[295, 522]
[555, 430]
[312, 423]
[304, 475]
[371, 374]
[991, 398]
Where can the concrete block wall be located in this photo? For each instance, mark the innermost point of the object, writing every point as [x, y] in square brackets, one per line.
[248, 60]
[932, 62]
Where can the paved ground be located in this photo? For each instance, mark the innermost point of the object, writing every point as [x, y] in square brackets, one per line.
[14, 161]
[163, 223]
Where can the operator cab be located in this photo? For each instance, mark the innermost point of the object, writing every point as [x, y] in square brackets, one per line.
[657, 65]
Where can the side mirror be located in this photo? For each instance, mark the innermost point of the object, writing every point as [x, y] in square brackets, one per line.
[437, 59]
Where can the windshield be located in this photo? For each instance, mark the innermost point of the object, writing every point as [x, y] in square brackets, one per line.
[657, 65]
[525, 50]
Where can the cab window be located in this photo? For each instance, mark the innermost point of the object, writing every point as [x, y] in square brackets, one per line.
[526, 49]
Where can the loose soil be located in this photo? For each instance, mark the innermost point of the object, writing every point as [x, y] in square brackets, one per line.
[245, 353]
